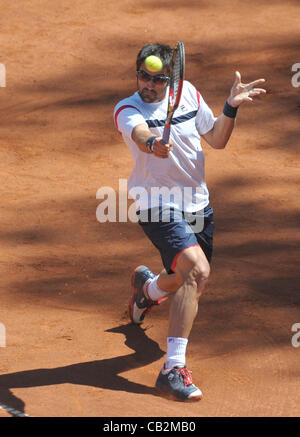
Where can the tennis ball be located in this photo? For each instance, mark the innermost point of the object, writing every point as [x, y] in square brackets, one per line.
[153, 63]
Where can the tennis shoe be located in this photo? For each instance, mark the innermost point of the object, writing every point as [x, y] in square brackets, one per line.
[177, 384]
[140, 304]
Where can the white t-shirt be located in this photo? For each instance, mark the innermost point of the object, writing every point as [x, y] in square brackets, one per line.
[178, 180]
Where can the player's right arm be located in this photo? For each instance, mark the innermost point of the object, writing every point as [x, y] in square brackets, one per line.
[141, 134]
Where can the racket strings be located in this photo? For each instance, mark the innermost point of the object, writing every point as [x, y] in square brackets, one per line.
[177, 71]
[175, 89]
[176, 74]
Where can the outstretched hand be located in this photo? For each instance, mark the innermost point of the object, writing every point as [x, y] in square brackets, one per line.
[244, 92]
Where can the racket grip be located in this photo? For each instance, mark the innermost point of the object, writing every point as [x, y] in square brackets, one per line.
[166, 134]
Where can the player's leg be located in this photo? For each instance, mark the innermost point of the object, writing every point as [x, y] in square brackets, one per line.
[170, 238]
[203, 227]
[186, 272]
[175, 379]
[169, 281]
[192, 269]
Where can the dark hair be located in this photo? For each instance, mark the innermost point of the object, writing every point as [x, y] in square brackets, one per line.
[164, 52]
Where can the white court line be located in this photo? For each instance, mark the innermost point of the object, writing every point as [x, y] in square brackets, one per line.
[2, 75]
[12, 411]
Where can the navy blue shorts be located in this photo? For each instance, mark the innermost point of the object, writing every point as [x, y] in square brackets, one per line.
[176, 231]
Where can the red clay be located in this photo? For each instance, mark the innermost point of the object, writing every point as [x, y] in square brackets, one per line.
[65, 277]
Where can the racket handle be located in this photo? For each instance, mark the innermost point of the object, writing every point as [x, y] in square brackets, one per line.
[166, 134]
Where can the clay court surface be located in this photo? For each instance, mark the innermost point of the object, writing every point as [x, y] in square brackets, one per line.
[65, 277]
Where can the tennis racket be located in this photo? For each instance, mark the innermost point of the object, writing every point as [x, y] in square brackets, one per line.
[176, 82]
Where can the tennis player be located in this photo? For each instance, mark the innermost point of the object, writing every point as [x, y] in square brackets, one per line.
[171, 222]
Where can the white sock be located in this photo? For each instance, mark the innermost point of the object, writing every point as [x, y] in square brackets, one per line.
[176, 349]
[154, 291]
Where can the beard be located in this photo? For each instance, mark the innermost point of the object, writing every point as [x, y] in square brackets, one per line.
[148, 96]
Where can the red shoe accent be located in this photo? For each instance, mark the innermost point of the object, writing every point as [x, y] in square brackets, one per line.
[185, 375]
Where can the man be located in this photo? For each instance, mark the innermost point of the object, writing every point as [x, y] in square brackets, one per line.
[185, 250]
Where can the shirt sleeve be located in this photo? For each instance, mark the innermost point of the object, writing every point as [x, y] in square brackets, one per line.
[205, 118]
[127, 117]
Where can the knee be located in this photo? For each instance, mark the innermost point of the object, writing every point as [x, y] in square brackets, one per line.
[200, 272]
[193, 268]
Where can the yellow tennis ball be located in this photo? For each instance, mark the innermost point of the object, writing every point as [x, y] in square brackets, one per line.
[153, 63]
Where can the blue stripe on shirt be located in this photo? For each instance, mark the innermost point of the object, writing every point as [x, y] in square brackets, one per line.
[176, 120]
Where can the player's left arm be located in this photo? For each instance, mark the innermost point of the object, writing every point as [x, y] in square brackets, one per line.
[219, 135]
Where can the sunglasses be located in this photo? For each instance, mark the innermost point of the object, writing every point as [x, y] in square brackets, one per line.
[143, 75]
